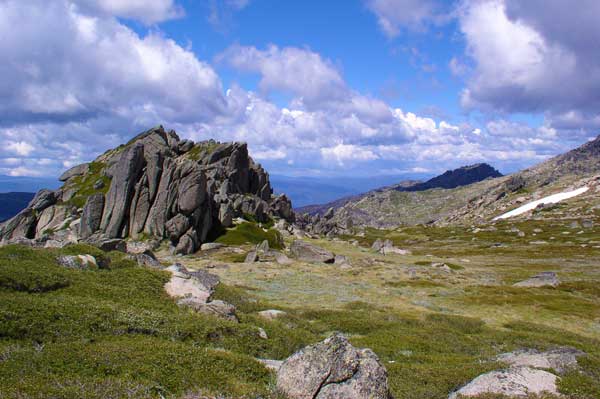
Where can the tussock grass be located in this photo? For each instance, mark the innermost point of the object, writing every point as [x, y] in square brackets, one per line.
[251, 233]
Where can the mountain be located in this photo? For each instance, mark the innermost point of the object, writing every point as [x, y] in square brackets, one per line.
[27, 184]
[304, 190]
[321, 209]
[450, 179]
[456, 178]
[13, 203]
[475, 203]
[155, 186]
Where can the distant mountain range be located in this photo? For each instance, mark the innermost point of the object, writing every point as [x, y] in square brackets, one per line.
[476, 194]
[450, 179]
[13, 203]
[27, 184]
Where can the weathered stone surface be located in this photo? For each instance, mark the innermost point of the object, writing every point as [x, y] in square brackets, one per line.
[187, 243]
[160, 187]
[177, 227]
[310, 253]
[513, 382]
[116, 206]
[183, 283]
[271, 314]
[211, 245]
[107, 244]
[146, 258]
[560, 359]
[91, 216]
[333, 369]
[77, 261]
[251, 257]
[217, 308]
[544, 279]
[75, 171]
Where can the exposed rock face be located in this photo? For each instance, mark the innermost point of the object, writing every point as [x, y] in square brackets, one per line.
[155, 186]
[514, 382]
[77, 261]
[561, 359]
[544, 279]
[333, 369]
[310, 253]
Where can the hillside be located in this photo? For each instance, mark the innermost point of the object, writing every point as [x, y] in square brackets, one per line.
[481, 201]
[13, 203]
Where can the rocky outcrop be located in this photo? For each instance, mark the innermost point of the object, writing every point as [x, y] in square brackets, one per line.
[524, 376]
[544, 279]
[156, 186]
[333, 369]
[306, 252]
[513, 382]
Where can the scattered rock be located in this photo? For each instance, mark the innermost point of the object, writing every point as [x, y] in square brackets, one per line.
[341, 260]
[262, 333]
[217, 308]
[140, 247]
[147, 259]
[77, 261]
[183, 283]
[561, 359]
[211, 245]
[587, 224]
[251, 257]
[310, 253]
[271, 314]
[333, 369]
[544, 279]
[263, 247]
[513, 382]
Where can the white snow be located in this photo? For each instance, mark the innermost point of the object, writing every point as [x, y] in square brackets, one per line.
[551, 199]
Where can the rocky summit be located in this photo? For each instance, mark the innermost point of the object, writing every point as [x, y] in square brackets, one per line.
[155, 186]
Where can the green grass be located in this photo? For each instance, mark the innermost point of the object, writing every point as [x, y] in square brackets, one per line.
[113, 332]
[201, 149]
[84, 185]
[251, 233]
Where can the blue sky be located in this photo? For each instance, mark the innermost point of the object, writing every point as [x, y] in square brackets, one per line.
[355, 88]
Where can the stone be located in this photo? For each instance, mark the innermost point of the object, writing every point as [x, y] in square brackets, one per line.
[377, 245]
[251, 257]
[544, 279]
[211, 245]
[199, 285]
[78, 170]
[147, 259]
[91, 216]
[216, 308]
[263, 247]
[341, 260]
[176, 227]
[140, 247]
[186, 243]
[513, 382]
[333, 369]
[280, 257]
[107, 244]
[306, 252]
[77, 261]
[262, 333]
[121, 190]
[271, 314]
[559, 359]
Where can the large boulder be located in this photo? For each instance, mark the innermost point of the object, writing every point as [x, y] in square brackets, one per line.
[75, 171]
[513, 382]
[91, 216]
[333, 369]
[306, 252]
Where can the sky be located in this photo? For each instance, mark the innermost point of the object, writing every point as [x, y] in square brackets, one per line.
[330, 89]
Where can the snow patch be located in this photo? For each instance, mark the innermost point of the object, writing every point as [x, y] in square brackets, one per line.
[551, 199]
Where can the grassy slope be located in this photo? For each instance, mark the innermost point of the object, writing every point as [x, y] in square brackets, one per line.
[114, 333]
